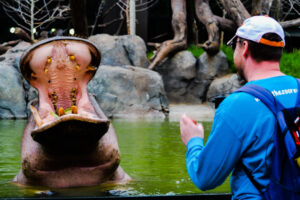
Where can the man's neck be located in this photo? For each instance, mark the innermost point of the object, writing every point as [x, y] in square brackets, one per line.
[265, 69]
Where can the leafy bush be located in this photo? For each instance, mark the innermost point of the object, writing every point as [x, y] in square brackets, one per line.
[227, 50]
[149, 54]
[229, 54]
[290, 63]
[195, 50]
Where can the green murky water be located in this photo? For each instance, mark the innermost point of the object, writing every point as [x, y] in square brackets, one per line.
[152, 154]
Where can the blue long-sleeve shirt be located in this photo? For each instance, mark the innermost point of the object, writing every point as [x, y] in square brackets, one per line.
[241, 137]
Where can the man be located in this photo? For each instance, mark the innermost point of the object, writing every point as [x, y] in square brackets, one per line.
[241, 137]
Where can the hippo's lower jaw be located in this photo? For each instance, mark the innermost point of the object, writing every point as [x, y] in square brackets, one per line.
[71, 133]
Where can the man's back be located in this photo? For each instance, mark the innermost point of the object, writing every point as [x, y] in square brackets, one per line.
[256, 125]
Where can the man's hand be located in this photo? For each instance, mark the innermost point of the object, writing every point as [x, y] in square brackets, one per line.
[189, 129]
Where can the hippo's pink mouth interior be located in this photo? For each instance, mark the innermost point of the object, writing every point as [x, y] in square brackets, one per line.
[60, 70]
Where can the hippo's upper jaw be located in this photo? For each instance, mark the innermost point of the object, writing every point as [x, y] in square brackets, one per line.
[60, 70]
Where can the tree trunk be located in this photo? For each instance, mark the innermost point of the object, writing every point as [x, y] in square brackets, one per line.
[79, 18]
[266, 6]
[256, 7]
[290, 23]
[261, 7]
[226, 25]
[132, 17]
[179, 41]
[32, 19]
[205, 15]
[236, 10]
[278, 12]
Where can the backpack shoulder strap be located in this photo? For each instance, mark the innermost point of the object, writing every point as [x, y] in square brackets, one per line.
[276, 108]
[263, 95]
[298, 98]
[267, 97]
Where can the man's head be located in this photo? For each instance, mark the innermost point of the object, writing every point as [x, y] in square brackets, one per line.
[264, 37]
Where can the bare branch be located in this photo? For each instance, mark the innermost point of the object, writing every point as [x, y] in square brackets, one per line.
[288, 12]
[290, 23]
[100, 8]
[29, 15]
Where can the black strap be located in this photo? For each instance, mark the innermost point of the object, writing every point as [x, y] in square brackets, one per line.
[253, 181]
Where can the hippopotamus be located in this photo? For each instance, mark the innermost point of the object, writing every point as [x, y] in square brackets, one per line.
[68, 141]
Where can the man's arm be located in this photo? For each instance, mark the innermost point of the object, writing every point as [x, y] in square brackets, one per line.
[189, 129]
[209, 166]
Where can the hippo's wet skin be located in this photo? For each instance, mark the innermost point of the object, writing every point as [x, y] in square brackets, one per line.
[68, 141]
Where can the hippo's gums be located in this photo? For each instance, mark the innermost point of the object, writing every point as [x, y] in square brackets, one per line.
[68, 141]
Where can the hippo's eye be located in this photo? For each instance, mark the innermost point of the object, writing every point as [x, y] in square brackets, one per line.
[49, 81]
[75, 79]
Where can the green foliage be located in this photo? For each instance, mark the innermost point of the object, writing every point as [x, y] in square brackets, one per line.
[227, 50]
[195, 50]
[290, 63]
[229, 54]
[149, 54]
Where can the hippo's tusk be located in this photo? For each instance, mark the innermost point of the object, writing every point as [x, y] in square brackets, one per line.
[39, 122]
[72, 58]
[91, 68]
[49, 60]
[61, 111]
[74, 110]
[33, 75]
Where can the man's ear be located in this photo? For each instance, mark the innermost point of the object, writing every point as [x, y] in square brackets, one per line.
[245, 51]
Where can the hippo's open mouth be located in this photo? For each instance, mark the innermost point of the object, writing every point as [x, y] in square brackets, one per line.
[60, 69]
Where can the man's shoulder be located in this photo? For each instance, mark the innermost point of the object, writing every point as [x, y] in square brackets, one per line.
[239, 99]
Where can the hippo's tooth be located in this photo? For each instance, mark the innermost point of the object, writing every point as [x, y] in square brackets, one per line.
[91, 68]
[46, 70]
[61, 111]
[74, 110]
[33, 75]
[38, 121]
[77, 67]
[49, 60]
[72, 58]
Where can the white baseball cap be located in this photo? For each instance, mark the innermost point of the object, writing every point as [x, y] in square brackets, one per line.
[255, 27]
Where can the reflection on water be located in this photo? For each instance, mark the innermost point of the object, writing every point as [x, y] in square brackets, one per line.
[151, 153]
